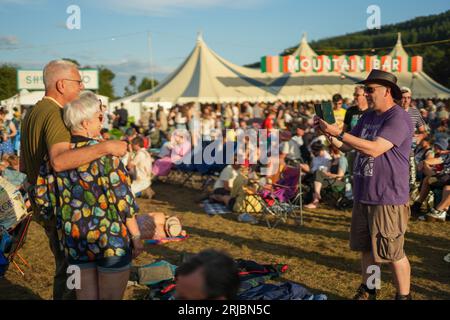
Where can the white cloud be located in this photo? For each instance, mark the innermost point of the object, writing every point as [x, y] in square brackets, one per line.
[8, 41]
[168, 7]
[128, 68]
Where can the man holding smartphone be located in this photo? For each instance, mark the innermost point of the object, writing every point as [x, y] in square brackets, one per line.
[382, 139]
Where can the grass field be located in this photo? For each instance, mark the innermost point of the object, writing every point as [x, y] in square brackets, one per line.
[317, 252]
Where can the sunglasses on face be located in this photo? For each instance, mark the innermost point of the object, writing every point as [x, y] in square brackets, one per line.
[370, 90]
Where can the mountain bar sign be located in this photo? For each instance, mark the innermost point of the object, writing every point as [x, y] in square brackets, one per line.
[325, 64]
[33, 79]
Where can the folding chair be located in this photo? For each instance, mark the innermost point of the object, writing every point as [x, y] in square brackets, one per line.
[283, 200]
[18, 234]
[15, 219]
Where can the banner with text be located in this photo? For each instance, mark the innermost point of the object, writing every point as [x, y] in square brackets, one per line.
[33, 79]
[325, 64]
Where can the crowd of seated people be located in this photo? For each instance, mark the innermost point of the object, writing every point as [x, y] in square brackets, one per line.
[162, 139]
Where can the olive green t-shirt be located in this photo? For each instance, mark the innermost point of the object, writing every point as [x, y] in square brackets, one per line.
[42, 127]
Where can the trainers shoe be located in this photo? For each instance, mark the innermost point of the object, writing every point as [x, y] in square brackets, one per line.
[436, 215]
[403, 297]
[363, 293]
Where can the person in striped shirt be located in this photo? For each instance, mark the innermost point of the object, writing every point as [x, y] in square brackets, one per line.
[420, 131]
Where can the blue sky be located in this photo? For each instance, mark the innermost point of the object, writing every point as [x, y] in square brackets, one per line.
[114, 32]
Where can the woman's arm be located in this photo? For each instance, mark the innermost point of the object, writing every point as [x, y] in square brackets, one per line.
[135, 236]
[13, 129]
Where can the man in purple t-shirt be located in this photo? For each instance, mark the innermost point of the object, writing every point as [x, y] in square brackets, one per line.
[382, 139]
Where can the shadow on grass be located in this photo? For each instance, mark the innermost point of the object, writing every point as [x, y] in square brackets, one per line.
[281, 250]
[12, 291]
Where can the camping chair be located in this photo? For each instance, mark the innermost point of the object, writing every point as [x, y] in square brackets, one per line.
[283, 200]
[337, 194]
[15, 221]
[18, 235]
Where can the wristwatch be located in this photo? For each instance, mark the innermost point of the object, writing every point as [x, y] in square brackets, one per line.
[340, 137]
[136, 237]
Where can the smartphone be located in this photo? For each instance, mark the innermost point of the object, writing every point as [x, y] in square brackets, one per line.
[325, 112]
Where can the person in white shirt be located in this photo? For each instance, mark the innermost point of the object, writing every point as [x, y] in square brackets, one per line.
[140, 167]
[321, 158]
[299, 133]
[207, 126]
[289, 149]
[225, 181]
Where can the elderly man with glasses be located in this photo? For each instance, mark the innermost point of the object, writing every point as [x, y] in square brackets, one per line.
[382, 139]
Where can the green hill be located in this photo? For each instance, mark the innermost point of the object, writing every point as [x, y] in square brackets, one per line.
[418, 30]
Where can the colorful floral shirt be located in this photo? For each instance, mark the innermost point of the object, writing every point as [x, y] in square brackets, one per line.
[93, 203]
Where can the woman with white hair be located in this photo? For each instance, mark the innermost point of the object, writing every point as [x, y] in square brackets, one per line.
[95, 209]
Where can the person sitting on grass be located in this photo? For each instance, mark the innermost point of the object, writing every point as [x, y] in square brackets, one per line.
[224, 184]
[140, 168]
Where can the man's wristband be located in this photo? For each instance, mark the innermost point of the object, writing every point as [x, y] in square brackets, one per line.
[340, 137]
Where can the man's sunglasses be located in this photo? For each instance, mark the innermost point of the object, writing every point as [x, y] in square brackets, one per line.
[371, 89]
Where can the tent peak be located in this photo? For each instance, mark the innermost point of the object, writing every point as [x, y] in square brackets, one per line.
[398, 50]
[200, 36]
[399, 38]
[304, 49]
[304, 37]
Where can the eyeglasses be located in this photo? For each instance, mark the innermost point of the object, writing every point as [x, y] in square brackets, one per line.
[79, 81]
[371, 89]
[356, 95]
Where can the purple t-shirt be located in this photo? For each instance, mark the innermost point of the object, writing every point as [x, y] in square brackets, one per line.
[384, 180]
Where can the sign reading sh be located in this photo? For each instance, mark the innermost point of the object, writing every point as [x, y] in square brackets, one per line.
[33, 79]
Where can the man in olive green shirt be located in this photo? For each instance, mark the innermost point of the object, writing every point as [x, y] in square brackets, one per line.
[45, 134]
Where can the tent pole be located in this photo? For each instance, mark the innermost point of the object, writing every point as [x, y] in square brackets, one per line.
[151, 60]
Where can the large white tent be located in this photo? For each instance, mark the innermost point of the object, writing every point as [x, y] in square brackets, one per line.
[206, 77]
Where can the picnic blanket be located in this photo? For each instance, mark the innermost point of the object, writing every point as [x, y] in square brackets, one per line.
[214, 208]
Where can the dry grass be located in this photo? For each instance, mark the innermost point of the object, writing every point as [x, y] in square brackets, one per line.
[317, 252]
